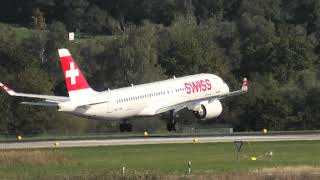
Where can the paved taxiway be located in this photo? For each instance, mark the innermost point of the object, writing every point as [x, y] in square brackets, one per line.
[151, 140]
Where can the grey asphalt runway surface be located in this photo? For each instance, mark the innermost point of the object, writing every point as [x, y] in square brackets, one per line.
[151, 140]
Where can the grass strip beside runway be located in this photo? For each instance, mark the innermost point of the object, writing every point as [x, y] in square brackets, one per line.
[157, 160]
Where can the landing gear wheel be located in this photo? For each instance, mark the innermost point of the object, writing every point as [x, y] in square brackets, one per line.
[169, 127]
[125, 127]
[122, 127]
[129, 128]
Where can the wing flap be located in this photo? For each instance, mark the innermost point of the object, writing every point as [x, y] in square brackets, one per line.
[47, 104]
[176, 108]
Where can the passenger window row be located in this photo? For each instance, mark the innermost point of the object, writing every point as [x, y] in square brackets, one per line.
[147, 95]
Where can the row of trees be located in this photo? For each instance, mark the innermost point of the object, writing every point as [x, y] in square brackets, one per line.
[107, 17]
[275, 43]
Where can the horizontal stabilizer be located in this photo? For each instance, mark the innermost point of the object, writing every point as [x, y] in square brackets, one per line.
[48, 98]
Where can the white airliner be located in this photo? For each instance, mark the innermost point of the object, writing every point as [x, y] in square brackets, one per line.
[200, 93]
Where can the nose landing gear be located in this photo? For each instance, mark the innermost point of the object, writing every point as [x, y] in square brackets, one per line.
[171, 126]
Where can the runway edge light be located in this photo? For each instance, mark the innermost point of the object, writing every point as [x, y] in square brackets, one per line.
[19, 137]
[56, 144]
[264, 131]
[253, 158]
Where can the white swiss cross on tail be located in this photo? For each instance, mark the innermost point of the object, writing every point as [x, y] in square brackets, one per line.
[76, 83]
[72, 73]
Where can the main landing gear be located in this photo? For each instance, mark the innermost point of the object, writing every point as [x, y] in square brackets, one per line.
[171, 125]
[125, 127]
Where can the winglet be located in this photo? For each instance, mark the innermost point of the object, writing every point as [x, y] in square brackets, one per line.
[244, 85]
[8, 90]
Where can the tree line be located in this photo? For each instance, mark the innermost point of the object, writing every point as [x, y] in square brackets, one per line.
[274, 43]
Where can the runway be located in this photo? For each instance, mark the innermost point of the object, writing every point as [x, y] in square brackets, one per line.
[151, 140]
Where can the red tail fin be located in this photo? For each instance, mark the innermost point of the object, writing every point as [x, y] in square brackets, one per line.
[76, 83]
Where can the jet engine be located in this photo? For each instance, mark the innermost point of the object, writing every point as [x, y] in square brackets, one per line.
[206, 110]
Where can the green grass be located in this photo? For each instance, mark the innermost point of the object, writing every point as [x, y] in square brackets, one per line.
[158, 159]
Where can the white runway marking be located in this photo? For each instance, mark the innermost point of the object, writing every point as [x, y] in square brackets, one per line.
[151, 140]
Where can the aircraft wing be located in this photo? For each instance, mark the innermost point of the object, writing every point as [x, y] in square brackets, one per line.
[47, 99]
[180, 106]
[47, 104]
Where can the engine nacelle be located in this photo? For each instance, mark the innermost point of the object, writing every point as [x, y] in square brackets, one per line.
[207, 110]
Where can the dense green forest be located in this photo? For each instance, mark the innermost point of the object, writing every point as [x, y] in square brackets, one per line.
[274, 43]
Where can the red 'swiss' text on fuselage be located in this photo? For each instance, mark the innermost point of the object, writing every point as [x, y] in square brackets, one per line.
[197, 86]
